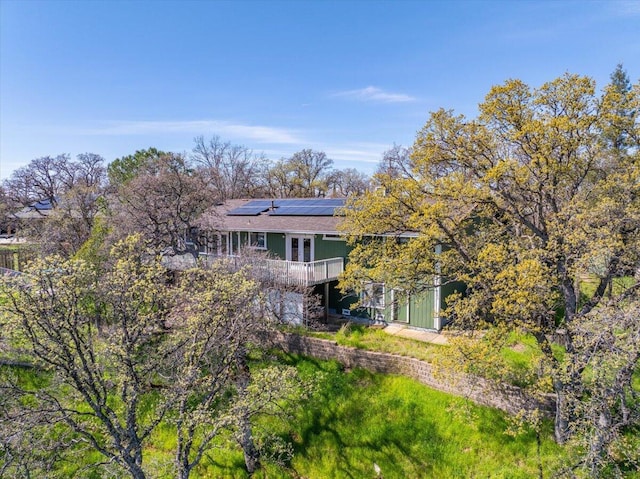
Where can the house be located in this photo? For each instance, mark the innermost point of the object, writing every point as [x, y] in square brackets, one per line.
[30, 218]
[37, 210]
[304, 248]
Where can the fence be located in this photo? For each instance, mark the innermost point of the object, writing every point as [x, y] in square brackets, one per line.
[14, 260]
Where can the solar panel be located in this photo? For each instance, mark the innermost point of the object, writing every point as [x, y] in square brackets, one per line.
[310, 202]
[290, 207]
[43, 204]
[303, 211]
[252, 208]
[255, 203]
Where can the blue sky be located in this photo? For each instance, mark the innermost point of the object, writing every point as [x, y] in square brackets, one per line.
[350, 78]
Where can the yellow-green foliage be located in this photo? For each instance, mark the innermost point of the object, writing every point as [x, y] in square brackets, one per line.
[523, 198]
[538, 191]
[94, 250]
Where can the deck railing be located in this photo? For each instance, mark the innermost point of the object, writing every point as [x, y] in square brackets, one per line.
[289, 272]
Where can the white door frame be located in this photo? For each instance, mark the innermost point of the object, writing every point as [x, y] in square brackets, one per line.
[301, 239]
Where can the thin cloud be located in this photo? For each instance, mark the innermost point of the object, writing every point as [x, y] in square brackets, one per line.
[355, 155]
[626, 8]
[363, 156]
[260, 134]
[375, 94]
[359, 155]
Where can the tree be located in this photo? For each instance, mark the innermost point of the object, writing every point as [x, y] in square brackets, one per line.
[395, 163]
[96, 338]
[303, 175]
[163, 202]
[121, 170]
[73, 188]
[347, 182]
[41, 179]
[6, 219]
[232, 171]
[619, 102]
[525, 200]
[225, 326]
[125, 352]
[607, 406]
[80, 201]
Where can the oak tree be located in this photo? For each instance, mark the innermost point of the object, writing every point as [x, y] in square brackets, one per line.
[520, 204]
[122, 352]
[303, 175]
[231, 171]
[74, 188]
[163, 202]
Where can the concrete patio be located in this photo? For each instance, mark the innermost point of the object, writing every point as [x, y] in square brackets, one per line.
[417, 334]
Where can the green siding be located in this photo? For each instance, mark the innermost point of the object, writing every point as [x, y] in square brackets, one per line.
[401, 308]
[325, 249]
[448, 289]
[276, 245]
[421, 310]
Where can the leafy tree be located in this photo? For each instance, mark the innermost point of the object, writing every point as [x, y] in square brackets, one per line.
[620, 103]
[303, 175]
[163, 203]
[122, 170]
[232, 171]
[125, 352]
[74, 188]
[280, 181]
[524, 200]
[97, 340]
[81, 201]
[347, 182]
[607, 407]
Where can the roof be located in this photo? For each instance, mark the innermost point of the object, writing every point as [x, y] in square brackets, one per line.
[305, 216]
[38, 209]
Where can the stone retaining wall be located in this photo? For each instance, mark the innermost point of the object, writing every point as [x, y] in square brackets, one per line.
[481, 391]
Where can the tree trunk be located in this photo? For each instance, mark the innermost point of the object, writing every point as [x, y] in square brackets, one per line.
[245, 435]
[135, 470]
[251, 454]
[561, 422]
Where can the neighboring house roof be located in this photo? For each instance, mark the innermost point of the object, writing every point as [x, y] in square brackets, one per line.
[39, 209]
[290, 215]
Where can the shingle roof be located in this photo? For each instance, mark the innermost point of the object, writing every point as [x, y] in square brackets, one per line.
[39, 209]
[216, 218]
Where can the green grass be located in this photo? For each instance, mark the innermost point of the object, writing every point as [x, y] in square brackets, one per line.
[359, 418]
[520, 354]
[375, 339]
[356, 419]
[11, 247]
[589, 283]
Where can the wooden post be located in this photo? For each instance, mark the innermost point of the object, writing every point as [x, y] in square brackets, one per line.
[326, 301]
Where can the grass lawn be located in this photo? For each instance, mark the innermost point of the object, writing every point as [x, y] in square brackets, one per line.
[408, 430]
[357, 419]
[518, 356]
[376, 339]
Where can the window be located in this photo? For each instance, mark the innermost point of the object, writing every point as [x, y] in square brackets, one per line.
[373, 296]
[332, 237]
[258, 240]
